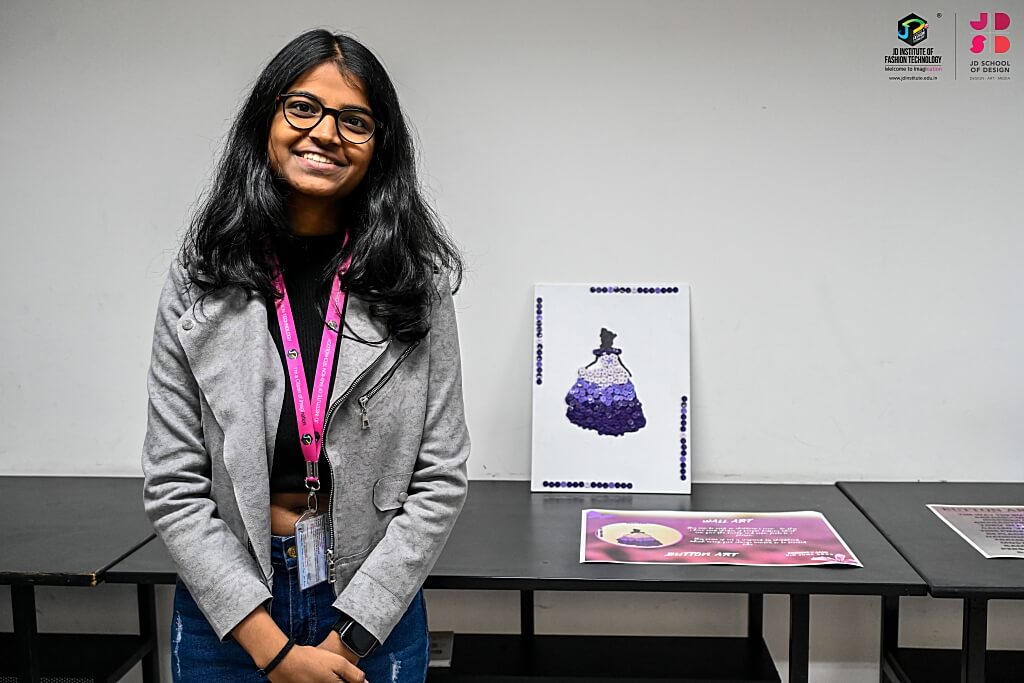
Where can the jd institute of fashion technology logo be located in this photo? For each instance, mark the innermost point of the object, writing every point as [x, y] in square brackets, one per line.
[913, 63]
[912, 29]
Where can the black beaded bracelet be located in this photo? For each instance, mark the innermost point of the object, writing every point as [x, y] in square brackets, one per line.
[276, 660]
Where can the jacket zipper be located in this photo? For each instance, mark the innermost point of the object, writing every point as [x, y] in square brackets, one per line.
[323, 454]
[323, 449]
[365, 398]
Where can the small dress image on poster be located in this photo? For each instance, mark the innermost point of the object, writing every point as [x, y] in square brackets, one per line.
[611, 400]
[639, 535]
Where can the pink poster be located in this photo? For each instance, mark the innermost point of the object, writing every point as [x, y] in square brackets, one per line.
[757, 538]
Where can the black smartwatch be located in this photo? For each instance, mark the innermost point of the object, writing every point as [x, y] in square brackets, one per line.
[356, 638]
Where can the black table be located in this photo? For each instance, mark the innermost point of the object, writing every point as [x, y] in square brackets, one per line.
[952, 569]
[68, 531]
[510, 539]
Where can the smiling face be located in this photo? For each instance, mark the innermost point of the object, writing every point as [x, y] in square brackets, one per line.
[286, 145]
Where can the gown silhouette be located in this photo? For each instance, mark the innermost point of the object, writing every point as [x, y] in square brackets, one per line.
[603, 398]
[639, 539]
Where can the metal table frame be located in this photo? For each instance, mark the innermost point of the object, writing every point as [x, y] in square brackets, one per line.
[88, 525]
[951, 568]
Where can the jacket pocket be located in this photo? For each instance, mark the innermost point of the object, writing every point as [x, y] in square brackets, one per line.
[365, 399]
[391, 492]
[344, 559]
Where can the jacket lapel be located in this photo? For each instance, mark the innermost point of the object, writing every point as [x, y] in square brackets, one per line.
[233, 359]
[363, 341]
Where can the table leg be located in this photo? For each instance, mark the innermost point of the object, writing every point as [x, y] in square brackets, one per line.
[799, 637]
[975, 640]
[148, 630]
[890, 633]
[526, 611]
[755, 617]
[26, 635]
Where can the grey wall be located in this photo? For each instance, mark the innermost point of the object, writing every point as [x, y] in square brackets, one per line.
[852, 242]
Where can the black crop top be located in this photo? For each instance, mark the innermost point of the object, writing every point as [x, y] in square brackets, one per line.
[304, 261]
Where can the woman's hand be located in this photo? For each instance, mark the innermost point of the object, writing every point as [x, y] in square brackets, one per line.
[332, 643]
[306, 664]
[329, 662]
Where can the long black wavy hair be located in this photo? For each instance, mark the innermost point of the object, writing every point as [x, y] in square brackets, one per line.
[396, 239]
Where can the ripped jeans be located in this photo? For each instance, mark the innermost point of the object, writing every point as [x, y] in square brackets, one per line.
[198, 655]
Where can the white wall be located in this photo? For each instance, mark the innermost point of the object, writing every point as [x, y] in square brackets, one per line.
[852, 243]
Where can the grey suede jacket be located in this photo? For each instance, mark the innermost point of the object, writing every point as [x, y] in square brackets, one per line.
[395, 438]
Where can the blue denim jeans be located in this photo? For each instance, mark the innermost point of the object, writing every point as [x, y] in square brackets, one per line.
[198, 655]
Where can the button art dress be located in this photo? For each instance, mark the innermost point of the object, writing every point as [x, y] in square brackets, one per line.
[603, 399]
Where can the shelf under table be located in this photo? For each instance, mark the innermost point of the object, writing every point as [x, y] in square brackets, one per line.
[76, 657]
[932, 665]
[604, 659]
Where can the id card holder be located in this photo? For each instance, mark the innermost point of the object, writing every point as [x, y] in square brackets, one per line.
[311, 543]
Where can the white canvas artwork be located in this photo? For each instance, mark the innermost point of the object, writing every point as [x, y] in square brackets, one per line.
[611, 393]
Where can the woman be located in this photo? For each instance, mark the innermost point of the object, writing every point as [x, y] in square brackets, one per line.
[306, 444]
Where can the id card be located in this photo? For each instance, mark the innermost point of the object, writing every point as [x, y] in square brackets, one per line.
[311, 543]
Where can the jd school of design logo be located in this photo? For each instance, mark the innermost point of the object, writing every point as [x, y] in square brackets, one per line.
[988, 36]
[912, 29]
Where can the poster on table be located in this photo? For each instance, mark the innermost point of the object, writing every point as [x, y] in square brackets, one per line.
[611, 392]
[992, 530]
[763, 539]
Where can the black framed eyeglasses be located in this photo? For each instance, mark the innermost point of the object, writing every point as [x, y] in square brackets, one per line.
[303, 112]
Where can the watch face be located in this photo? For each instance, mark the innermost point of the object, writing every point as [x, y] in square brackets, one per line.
[358, 639]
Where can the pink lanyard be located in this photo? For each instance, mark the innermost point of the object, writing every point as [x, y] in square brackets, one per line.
[310, 425]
